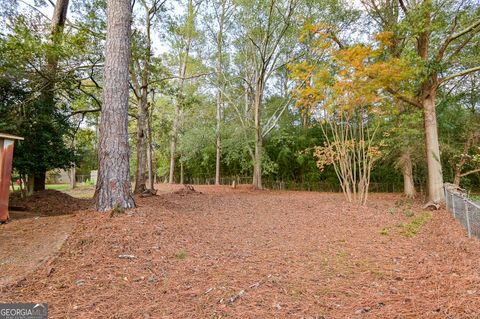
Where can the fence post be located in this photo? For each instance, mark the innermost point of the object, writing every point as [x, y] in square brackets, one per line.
[453, 205]
[468, 219]
[446, 197]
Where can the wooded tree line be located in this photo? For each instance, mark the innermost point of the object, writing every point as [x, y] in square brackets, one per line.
[302, 90]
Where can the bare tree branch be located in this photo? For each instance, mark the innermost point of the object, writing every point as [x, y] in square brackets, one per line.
[462, 73]
[181, 78]
[403, 98]
[454, 36]
[273, 120]
[470, 172]
[85, 111]
[403, 6]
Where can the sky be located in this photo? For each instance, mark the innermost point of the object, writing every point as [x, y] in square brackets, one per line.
[47, 10]
[158, 45]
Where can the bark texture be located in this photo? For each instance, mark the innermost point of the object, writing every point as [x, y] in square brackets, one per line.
[405, 163]
[427, 101]
[142, 143]
[73, 181]
[257, 163]
[59, 15]
[434, 165]
[141, 89]
[151, 182]
[218, 143]
[173, 144]
[113, 182]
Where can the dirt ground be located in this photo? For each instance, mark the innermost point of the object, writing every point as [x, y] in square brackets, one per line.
[239, 253]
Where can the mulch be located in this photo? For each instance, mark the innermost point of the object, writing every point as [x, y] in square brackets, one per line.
[50, 203]
[240, 253]
[33, 236]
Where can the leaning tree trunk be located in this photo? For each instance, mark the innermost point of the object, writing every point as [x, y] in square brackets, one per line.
[435, 177]
[457, 177]
[113, 181]
[472, 141]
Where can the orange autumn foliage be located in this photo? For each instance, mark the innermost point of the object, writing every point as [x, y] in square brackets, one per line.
[344, 79]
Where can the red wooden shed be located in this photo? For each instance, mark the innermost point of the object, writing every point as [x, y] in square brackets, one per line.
[6, 158]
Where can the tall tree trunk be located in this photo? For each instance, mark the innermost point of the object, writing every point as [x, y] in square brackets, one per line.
[151, 181]
[39, 181]
[428, 97]
[57, 24]
[182, 179]
[142, 113]
[190, 25]
[142, 135]
[457, 176]
[73, 181]
[218, 146]
[176, 126]
[407, 171]
[246, 99]
[435, 177]
[113, 182]
[47, 94]
[29, 185]
[219, 94]
[257, 163]
[173, 144]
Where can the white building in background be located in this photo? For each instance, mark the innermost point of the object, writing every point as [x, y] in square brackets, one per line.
[59, 176]
[64, 176]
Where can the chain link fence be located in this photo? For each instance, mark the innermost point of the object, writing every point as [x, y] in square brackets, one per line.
[465, 210]
[319, 186]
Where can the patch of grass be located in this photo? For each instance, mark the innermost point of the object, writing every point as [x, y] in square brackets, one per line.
[392, 210]
[58, 187]
[385, 231]
[296, 290]
[403, 202]
[342, 255]
[411, 228]
[181, 255]
[408, 213]
[475, 197]
[377, 273]
[321, 292]
[66, 187]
